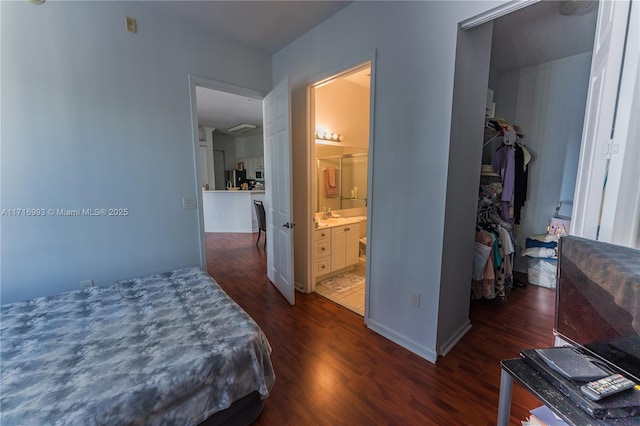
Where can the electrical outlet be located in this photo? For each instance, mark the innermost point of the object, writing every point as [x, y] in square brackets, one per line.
[414, 300]
[131, 25]
[86, 284]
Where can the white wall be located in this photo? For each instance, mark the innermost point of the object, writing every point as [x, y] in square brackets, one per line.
[473, 55]
[548, 103]
[226, 143]
[236, 148]
[343, 107]
[414, 68]
[95, 117]
[250, 146]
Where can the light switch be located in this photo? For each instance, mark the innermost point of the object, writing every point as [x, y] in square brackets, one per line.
[189, 203]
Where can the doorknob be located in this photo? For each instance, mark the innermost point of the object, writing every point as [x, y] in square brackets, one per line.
[289, 225]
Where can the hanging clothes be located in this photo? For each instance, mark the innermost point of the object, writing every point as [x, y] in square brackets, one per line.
[521, 177]
[504, 164]
[484, 286]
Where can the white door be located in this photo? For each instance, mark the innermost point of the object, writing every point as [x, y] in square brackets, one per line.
[599, 115]
[620, 222]
[278, 205]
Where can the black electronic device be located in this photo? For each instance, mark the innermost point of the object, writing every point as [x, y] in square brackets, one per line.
[572, 364]
[623, 405]
[607, 386]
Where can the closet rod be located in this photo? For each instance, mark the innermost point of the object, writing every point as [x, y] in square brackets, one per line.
[489, 141]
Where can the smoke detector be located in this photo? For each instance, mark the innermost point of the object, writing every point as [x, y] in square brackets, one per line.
[241, 128]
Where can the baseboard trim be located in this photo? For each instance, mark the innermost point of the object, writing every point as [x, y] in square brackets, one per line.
[455, 338]
[403, 341]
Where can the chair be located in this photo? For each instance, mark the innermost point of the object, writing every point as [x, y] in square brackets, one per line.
[262, 220]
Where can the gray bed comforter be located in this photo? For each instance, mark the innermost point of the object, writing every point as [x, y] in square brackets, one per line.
[170, 348]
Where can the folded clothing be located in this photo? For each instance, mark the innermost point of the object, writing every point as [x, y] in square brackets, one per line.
[534, 242]
[543, 252]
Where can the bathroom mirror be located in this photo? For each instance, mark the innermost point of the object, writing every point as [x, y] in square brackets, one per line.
[341, 177]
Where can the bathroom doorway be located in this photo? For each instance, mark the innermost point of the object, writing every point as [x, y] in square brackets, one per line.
[340, 154]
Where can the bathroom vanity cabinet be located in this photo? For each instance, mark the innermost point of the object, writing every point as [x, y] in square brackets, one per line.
[336, 249]
[344, 246]
[322, 253]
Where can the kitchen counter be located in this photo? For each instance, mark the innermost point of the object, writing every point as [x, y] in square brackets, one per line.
[230, 211]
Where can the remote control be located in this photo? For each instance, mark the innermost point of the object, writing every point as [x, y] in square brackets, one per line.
[602, 388]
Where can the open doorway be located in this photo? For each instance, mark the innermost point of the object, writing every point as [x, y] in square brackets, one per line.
[543, 94]
[538, 75]
[231, 157]
[340, 161]
[214, 106]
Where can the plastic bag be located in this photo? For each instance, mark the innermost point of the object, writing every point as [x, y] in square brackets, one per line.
[560, 224]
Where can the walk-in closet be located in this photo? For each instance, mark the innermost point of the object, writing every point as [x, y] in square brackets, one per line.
[536, 98]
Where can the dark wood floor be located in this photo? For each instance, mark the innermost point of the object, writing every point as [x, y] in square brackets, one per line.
[332, 370]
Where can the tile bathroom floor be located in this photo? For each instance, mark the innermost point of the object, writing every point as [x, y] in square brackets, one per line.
[353, 298]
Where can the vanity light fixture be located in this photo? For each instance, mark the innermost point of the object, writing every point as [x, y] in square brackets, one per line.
[328, 136]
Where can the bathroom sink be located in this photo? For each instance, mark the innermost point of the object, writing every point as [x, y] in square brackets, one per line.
[336, 221]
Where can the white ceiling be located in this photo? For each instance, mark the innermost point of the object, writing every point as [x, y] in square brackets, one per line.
[529, 36]
[224, 110]
[267, 26]
[264, 25]
[538, 34]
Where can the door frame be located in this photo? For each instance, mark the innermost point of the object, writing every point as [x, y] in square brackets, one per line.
[320, 80]
[196, 80]
[584, 224]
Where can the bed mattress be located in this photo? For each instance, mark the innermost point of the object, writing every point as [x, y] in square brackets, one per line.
[171, 348]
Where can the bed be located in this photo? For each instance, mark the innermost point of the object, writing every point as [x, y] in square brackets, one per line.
[170, 348]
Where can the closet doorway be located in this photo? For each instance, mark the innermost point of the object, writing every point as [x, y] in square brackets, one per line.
[340, 121]
[543, 92]
[536, 64]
